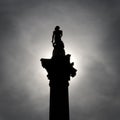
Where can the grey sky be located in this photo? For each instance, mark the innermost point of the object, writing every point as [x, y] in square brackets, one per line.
[91, 34]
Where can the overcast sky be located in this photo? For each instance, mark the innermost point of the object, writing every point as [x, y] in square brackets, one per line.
[91, 35]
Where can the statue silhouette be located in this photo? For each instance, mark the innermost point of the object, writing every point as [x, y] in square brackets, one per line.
[57, 42]
[57, 34]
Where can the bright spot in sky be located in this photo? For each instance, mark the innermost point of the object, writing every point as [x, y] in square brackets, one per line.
[79, 43]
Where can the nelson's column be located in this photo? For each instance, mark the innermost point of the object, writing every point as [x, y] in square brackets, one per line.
[59, 71]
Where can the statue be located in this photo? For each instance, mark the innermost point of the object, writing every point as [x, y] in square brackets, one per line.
[57, 34]
[57, 42]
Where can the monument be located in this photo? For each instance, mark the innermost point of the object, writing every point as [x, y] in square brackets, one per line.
[59, 71]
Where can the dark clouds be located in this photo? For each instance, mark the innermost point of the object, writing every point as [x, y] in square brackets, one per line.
[91, 29]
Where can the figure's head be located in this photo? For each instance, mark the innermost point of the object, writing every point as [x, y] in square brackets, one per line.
[57, 27]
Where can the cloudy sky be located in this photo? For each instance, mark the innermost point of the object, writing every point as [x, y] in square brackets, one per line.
[91, 34]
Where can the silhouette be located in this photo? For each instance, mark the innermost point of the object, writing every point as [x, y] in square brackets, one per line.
[57, 42]
[59, 71]
[57, 34]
